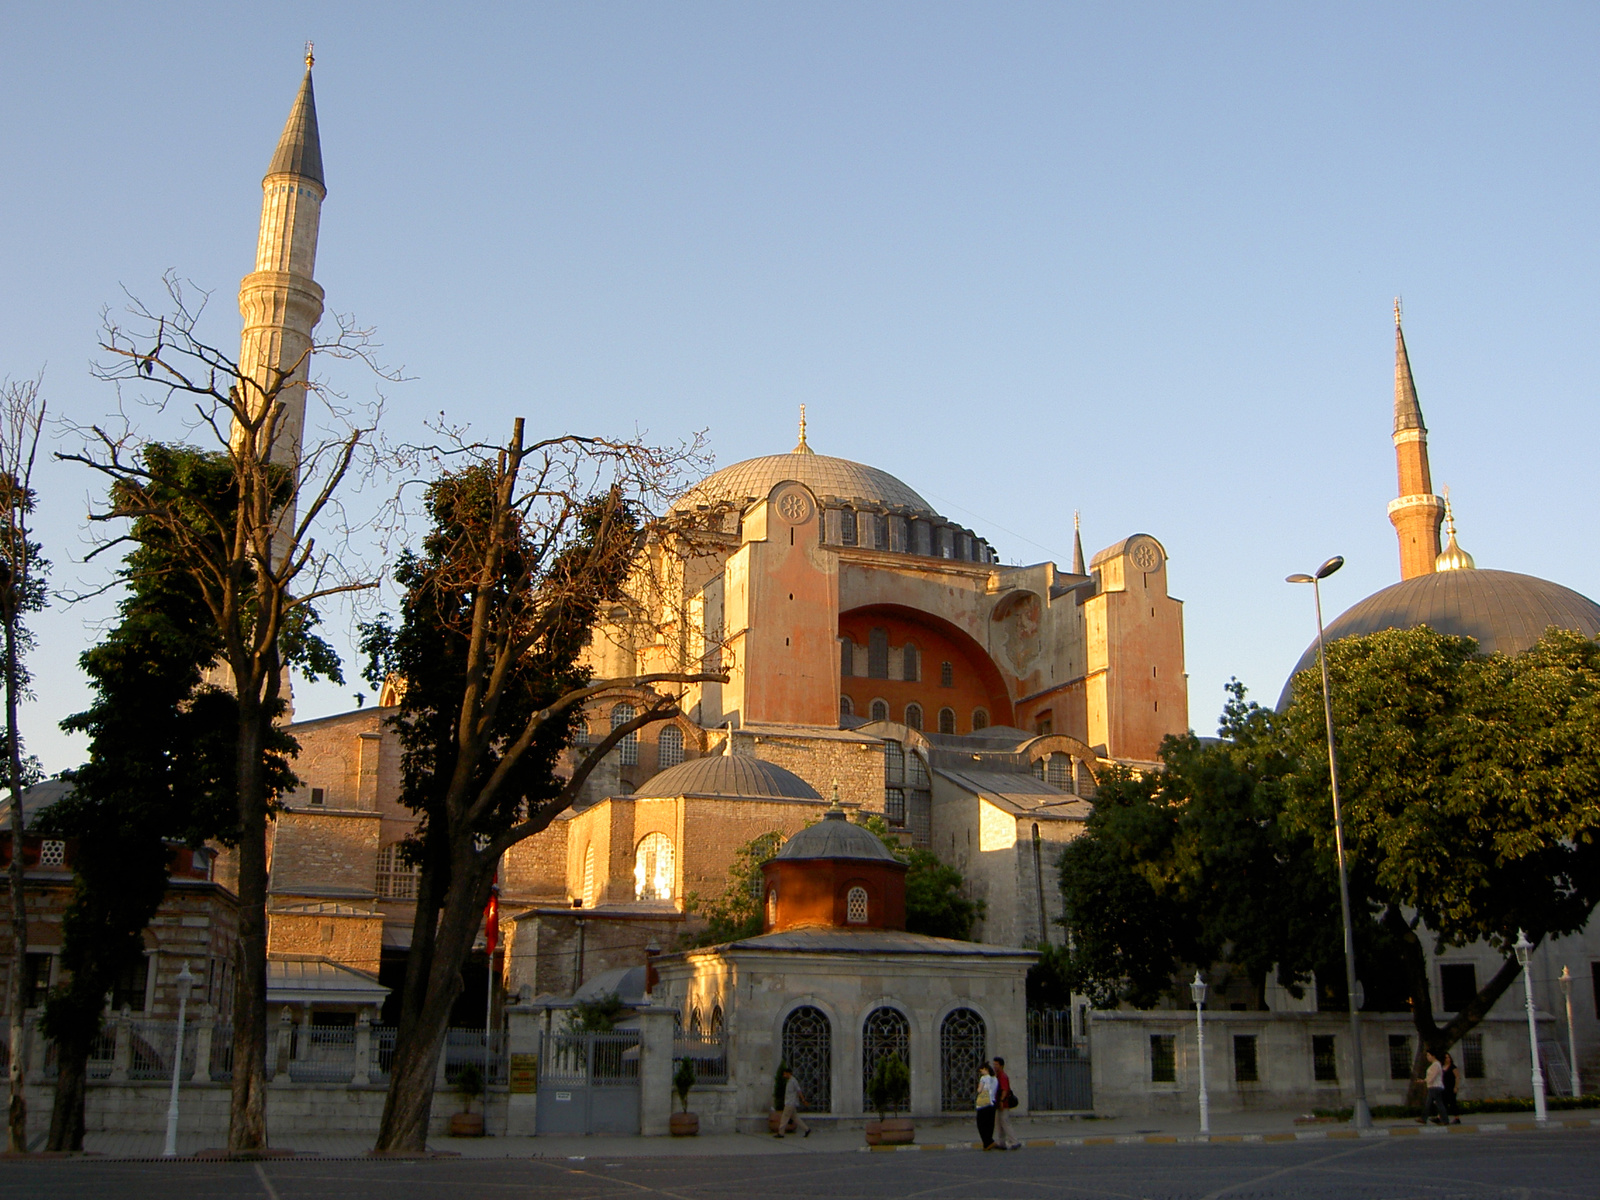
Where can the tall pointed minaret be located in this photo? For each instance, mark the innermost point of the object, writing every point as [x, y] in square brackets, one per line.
[1077, 544]
[279, 301]
[1416, 512]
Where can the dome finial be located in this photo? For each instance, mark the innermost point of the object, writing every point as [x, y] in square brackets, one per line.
[310, 57]
[1452, 557]
[800, 446]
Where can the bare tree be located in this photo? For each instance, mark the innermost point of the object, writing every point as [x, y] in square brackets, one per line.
[22, 590]
[528, 546]
[252, 551]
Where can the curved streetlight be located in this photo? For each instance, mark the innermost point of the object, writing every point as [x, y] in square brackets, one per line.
[1363, 1114]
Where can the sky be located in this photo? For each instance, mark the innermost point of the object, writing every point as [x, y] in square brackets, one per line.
[1133, 260]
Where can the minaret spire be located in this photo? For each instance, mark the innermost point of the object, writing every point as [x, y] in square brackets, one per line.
[1077, 544]
[1416, 512]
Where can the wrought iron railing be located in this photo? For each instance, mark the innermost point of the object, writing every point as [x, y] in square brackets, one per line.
[706, 1052]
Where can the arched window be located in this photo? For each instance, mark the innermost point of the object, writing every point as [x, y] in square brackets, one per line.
[580, 732]
[914, 716]
[587, 895]
[695, 1028]
[878, 653]
[772, 907]
[628, 747]
[1058, 772]
[846, 709]
[1038, 769]
[716, 1021]
[894, 806]
[880, 710]
[808, 1049]
[910, 664]
[652, 868]
[669, 749]
[894, 761]
[947, 720]
[397, 879]
[884, 1034]
[847, 527]
[855, 906]
[980, 719]
[847, 657]
[947, 674]
[962, 1049]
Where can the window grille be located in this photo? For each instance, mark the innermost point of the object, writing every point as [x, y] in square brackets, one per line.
[1399, 1056]
[886, 1033]
[919, 817]
[847, 657]
[963, 1040]
[628, 747]
[980, 720]
[397, 879]
[653, 868]
[1058, 772]
[716, 1020]
[914, 716]
[947, 674]
[1163, 1058]
[947, 720]
[855, 906]
[808, 1049]
[894, 806]
[580, 733]
[878, 654]
[1324, 1059]
[669, 749]
[772, 906]
[910, 668]
[917, 771]
[1472, 1055]
[847, 527]
[1038, 769]
[587, 895]
[894, 761]
[52, 853]
[880, 710]
[846, 709]
[695, 1028]
[129, 988]
[1244, 1058]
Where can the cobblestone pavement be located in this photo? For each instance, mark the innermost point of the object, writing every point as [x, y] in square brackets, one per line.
[1558, 1163]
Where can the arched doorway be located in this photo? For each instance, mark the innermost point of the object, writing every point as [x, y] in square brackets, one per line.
[808, 1049]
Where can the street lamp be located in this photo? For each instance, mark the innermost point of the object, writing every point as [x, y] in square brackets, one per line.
[1572, 1041]
[1524, 949]
[1363, 1115]
[1197, 989]
[184, 981]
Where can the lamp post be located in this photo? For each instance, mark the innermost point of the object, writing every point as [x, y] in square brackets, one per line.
[1197, 989]
[1524, 949]
[1572, 1041]
[183, 981]
[1362, 1114]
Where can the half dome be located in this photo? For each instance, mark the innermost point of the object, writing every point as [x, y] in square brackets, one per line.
[836, 837]
[736, 775]
[751, 480]
[1504, 611]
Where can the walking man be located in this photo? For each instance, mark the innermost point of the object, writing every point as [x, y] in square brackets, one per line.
[793, 1098]
[1007, 1100]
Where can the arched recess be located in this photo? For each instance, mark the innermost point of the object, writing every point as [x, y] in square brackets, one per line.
[977, 681]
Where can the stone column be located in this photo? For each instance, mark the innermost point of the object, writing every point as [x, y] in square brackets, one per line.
[204, 1031]
[284, 1045]
[655, 1070]
[523, 1027]
[360, 1076]
[122, 1056]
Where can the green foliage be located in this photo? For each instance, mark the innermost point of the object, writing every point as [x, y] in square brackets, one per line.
[599, 1015]
[889, 1089]
[936, 900]
[1054, 978]
[469, 1082]
[736, 913]
[682, 1080]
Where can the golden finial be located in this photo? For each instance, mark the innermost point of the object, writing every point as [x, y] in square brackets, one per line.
[800, 446]
[1397, 312]
[1452, 557]
[310, 57]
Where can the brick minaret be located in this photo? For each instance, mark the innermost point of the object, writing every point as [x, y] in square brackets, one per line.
[279, 301]
[1416, 512]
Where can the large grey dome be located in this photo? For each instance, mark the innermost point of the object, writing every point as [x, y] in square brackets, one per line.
[754, 478]
[727, 775]
[835, 837]
[1506, 612]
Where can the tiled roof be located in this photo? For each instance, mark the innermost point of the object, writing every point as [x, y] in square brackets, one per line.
[829, 940]
[727, 775]
[1020, 792]
[299, 150]
[835, 837]
[755, 477]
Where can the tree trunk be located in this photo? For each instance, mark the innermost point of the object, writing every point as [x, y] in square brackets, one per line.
[66, 1113]
[17, 1108]
[247, 1116]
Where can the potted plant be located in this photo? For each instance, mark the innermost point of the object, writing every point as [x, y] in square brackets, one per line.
[685, 1123]
[889, 1089]
[778, 1086]
[469, 1085]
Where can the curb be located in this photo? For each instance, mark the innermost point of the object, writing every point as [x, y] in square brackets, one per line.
[1309, 1135]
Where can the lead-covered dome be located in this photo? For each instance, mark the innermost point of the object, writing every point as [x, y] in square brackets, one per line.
[1504, 611]
[735, 775]
[751, 480]
[836, 837]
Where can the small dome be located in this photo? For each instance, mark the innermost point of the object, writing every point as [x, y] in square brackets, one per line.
[727, 775]
[754, 478]
[835, 837]
[1505, 612]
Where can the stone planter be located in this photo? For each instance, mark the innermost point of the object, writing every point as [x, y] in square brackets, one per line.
[684, 1124]
[466, 1124]
[773, 1117]
[891, 1131]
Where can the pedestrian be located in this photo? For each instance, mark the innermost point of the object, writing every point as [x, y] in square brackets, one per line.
[1007, 1100]
[985, 1104]
[1451, 1081]
[793, 1098]
[1435, 1085]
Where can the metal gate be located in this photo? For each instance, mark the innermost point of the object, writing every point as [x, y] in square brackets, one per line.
[1059, 1077]
[589, 1082]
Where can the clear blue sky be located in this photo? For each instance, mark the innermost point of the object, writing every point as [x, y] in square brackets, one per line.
[1136, 260]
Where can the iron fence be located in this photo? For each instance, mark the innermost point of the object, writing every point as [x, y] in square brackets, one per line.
[322, 1054]
[463, 1046]
[706, 1052]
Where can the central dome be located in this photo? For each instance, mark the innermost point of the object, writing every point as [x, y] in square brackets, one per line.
[751, 480]
[727, 775]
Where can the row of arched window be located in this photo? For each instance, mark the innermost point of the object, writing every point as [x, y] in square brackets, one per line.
[912, 717]
[886, 1031]
[654, 871]
[669, 742]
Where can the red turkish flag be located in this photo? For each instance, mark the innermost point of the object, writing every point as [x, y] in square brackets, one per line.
[491, 921]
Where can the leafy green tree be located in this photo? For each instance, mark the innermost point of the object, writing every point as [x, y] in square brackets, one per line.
[736, 912]
[936, 901]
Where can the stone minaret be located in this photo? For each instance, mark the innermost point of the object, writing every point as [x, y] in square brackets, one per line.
[279, 301]
[1416, 512]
